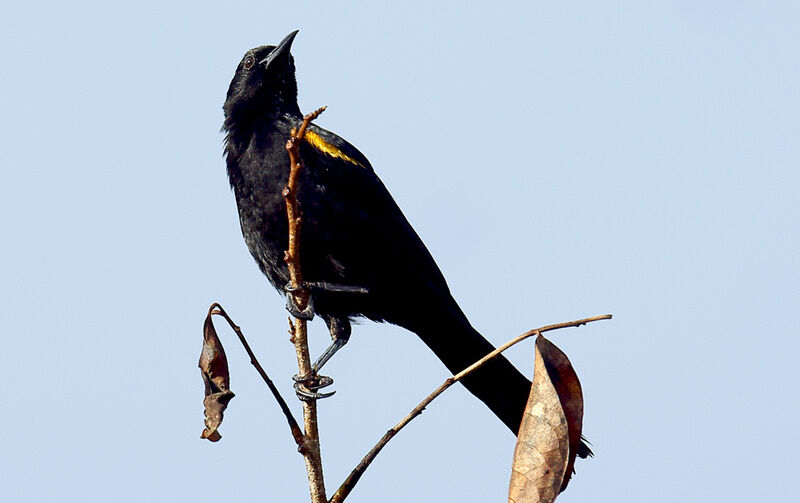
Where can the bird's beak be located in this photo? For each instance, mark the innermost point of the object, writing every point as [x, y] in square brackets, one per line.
[281, 52]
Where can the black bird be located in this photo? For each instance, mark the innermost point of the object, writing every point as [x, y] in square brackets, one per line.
[353, 232]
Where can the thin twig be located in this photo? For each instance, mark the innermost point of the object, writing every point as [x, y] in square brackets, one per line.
[358, 471]
[310, 447]
[297, 433]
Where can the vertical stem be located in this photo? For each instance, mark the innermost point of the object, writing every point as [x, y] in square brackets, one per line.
[311, 446]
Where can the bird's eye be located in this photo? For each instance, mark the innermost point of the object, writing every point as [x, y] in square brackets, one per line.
[249, 61]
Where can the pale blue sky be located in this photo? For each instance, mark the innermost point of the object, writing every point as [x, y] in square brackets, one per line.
[560, 160]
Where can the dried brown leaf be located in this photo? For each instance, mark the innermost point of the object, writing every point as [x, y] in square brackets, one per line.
[214, 369]
[568, 387]
[541, 455]
[550, 433]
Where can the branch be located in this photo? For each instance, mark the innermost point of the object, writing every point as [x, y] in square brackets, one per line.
[358, 471]
[297, 434]
[310, 445]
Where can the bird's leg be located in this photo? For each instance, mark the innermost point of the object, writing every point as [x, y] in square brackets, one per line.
[339, 327]
[340, 333]
[324, 286]
[335, 346]
[306, 388]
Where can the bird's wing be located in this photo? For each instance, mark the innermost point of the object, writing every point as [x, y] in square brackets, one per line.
[368, 232]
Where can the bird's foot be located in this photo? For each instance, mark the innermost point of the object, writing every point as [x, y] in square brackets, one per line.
[307, 313]
[306, 387]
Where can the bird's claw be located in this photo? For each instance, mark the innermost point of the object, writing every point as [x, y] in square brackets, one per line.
[306, 387]
[308, 312]
[301, 314]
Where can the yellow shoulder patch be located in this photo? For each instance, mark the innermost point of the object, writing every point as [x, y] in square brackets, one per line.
[318, 143]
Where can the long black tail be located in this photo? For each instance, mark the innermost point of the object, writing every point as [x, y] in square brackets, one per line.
[498, 383]
[442, 326]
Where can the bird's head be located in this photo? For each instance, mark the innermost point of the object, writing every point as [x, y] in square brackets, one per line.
[264, 82]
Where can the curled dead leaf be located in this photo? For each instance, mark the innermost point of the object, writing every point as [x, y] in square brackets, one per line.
[550, 434]
[216, 379]
[568, 387]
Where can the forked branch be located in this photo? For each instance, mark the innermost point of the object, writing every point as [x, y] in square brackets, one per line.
[297, 433]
